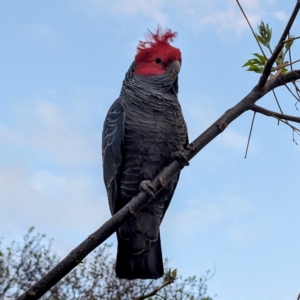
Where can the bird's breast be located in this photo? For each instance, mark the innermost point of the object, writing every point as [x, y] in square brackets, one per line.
[152, 131]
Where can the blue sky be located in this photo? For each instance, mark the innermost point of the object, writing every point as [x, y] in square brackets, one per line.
[62, 65]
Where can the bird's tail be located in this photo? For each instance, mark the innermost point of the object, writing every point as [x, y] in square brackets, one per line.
[144, 266]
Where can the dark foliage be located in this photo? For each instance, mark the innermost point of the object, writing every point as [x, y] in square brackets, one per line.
[23, 263]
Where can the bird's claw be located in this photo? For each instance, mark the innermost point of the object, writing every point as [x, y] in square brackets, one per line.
[147, 187]
[180, 157]
[191, 147]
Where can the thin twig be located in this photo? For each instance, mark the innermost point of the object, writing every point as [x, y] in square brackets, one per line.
[295, 96]
[278, 104]
[155, 291]
[279, 116]
[294, 137]
[297, 91]
[296, 88]
[291, 39]
[249, 137]
[147, 287]
[294, 130]
[285, 65]
[258, 43]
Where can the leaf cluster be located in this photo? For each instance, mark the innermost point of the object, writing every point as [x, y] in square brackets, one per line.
[263, 37]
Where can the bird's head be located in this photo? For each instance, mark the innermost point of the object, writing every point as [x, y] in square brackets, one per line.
[156, 56]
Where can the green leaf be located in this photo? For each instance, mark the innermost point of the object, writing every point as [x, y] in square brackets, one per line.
[262, 59]
[248, 63]
[255, 69]
[260, 39]
[174, 273]
[256, 64]
[265, 33]
[280, 58]
[251, 62]
[289, 42]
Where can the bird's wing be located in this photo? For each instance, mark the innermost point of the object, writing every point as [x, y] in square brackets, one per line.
[112, 142]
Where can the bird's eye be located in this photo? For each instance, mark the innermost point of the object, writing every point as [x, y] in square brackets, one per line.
[158, 60]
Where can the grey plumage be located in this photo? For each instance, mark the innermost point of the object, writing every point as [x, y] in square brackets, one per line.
[143, 127]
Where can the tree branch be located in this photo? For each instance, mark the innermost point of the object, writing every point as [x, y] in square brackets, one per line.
[280, 80]
[140, 200]
[270, 113]
[108, 228]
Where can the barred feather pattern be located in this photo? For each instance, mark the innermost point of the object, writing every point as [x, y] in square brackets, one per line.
[153, 128]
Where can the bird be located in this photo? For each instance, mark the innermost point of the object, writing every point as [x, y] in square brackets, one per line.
[144, 130]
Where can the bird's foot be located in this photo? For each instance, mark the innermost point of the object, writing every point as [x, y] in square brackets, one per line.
[147, 187]
[180, 157]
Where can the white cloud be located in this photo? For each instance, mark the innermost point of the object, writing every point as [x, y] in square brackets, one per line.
[250, 4]
[194, 218]
[43, 181]
[152, 8]
[199, 214]
[281, 16]
[224, 21]
[54, 203]
[44, 34]
[60, 134]
[223, 16]
[198, 115]
[232, 139]
[48, 152]
[66, 146]
[242, 234]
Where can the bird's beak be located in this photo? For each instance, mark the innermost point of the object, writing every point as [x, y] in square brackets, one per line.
[174, 68]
